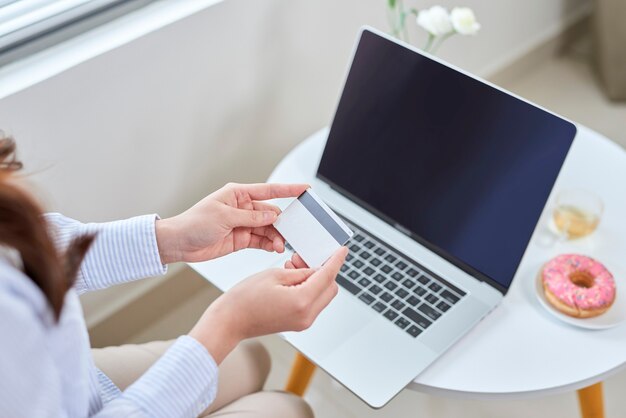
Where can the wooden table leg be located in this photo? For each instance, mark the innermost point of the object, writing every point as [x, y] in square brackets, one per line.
[300, 376]
[591, 401]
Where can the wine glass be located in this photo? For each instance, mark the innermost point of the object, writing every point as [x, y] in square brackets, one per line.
[577, 213]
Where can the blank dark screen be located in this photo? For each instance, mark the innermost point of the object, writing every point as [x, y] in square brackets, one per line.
[463, 166]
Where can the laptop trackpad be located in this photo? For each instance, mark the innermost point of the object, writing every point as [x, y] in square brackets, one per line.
[332, 328]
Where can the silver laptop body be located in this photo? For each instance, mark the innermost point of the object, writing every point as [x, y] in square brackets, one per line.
[364, 346]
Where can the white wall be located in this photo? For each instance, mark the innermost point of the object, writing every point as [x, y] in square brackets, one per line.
[222, 95]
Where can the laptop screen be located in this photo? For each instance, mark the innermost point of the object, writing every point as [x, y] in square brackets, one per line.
[465, 167]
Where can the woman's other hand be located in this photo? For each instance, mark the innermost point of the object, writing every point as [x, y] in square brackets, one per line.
[230, 219]
[271, 301]
[296, 262]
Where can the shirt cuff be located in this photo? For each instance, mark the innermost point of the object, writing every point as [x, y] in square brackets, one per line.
[122, 251]
[183, 382]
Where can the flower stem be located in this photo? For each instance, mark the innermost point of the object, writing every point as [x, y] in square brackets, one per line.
[429, 42]
[391, 19]
[403, 15]
[441, 40]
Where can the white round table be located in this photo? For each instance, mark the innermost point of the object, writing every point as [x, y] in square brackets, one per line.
[520, 350]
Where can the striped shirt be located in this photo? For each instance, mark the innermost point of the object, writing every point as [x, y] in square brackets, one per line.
[46, 368]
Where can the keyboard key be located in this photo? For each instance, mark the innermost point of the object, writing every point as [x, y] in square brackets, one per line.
[449, 296]
[367, 298]
[430, 312]
[420, 298]
[420, 291]
[387, 297]
[443, 307]
[432, 299]
[402, 323]
[375, 289]
[348, 285]
[379, 307]
[414, 331]
[413, 301]
[397, 305]
[364, 282]
[434, 287]
[390, 285]
[390, 314]
[379, 278]
[416, 317]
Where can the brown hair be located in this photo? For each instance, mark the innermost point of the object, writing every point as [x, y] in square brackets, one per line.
[23, 228]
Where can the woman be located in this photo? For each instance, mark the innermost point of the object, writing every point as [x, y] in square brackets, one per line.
[46, 367]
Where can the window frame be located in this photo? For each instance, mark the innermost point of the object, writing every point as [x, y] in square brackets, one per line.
[41, 35]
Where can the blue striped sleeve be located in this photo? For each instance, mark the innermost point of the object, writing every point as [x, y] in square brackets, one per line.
[122, 251]
[182, 383]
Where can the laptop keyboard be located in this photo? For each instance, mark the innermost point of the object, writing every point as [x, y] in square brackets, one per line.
[393, 285]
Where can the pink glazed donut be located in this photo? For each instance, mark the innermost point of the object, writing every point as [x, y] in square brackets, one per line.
[578, 286]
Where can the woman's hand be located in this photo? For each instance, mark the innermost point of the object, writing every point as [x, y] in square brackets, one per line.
[296, 262]
[230, 219]
[274, 300]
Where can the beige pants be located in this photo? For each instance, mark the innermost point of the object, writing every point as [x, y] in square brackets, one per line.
[241, 378]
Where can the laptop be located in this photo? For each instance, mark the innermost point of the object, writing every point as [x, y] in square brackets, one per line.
[442, 177]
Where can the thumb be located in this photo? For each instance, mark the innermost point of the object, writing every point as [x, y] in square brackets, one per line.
[327, 273]
[250, 218]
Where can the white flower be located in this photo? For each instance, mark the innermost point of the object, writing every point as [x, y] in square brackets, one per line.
[464, 21]
[435, 20]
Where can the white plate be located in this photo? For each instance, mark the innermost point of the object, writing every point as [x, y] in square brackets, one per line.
[611, 318]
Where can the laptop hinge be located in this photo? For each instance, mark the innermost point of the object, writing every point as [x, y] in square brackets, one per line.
[402, 229]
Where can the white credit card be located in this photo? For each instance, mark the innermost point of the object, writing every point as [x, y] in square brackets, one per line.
[313, 230]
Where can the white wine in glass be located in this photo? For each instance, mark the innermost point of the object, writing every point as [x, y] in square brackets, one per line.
[577, 213]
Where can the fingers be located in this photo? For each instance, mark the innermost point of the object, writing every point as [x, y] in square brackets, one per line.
[269, 231]
[319, 289]
[262, 243]
[296, 262]
[265, 191]
[261, 214]
[266, 207]
[293, 277]
[325, 275]
[272, 234]
[250, 218]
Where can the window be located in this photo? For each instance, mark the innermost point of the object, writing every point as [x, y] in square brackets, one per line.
[28, 26]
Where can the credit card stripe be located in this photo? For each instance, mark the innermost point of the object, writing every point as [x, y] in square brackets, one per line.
[320, 214]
